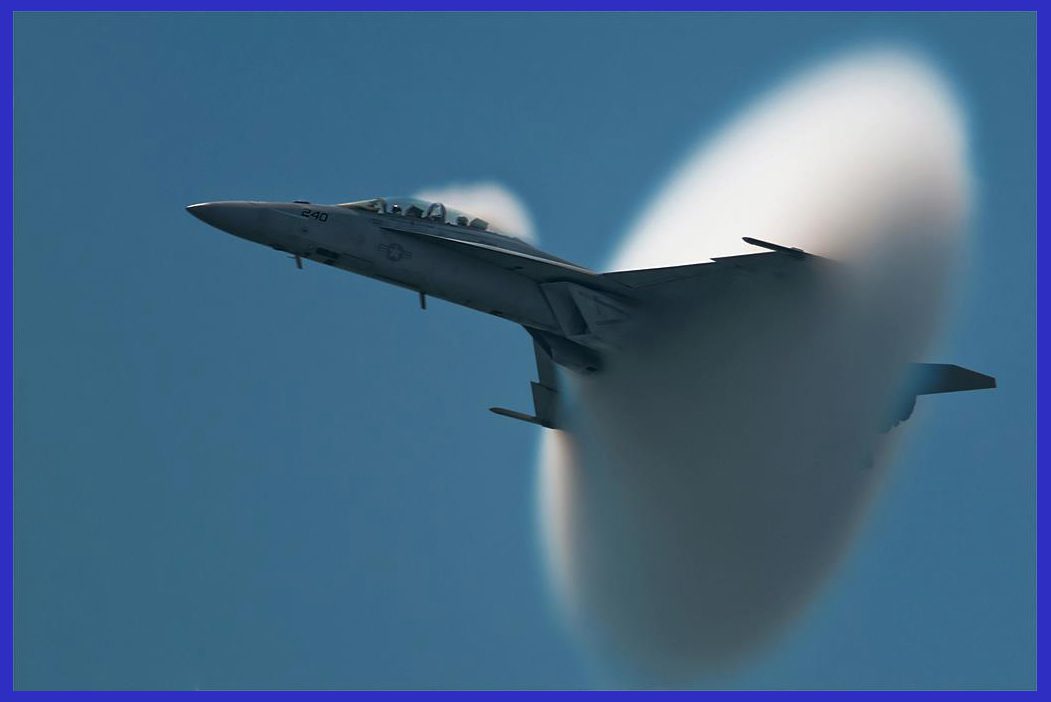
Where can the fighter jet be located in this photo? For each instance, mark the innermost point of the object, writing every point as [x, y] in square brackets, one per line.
[575, 316]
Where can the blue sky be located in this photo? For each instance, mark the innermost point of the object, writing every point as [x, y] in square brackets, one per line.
[230, 473]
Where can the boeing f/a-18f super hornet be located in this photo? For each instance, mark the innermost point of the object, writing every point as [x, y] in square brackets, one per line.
[575, 316]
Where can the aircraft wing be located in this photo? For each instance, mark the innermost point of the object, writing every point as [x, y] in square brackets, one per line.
[778, 259]
[667, 283]
[632, 284]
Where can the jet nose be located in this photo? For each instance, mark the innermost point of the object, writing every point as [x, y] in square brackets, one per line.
[237, 218]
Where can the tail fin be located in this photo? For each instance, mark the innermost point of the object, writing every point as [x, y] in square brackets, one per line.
[545, 395]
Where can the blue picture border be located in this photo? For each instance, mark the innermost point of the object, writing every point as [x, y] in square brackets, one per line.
[6, 686]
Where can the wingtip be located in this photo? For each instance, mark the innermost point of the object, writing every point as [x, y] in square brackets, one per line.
[790, 250]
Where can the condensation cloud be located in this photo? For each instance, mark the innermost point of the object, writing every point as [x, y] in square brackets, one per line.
[490, 201]
[713, 474]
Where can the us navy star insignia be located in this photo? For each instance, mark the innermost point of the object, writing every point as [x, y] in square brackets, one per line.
[394, 252]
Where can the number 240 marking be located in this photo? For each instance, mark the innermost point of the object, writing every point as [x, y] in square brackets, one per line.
[315, 214]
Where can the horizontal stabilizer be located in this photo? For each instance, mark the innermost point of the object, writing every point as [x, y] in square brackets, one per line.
[933, 378]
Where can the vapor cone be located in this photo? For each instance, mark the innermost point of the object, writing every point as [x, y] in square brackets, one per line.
[713, 473]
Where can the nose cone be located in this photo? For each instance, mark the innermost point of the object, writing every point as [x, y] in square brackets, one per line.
[238, 218]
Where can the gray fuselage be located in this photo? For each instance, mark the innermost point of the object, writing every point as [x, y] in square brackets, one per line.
[388, 247]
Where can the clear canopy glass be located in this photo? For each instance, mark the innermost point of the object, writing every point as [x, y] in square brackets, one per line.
[421, 209]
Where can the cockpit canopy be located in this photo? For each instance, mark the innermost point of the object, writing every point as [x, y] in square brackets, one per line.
[422, 209]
